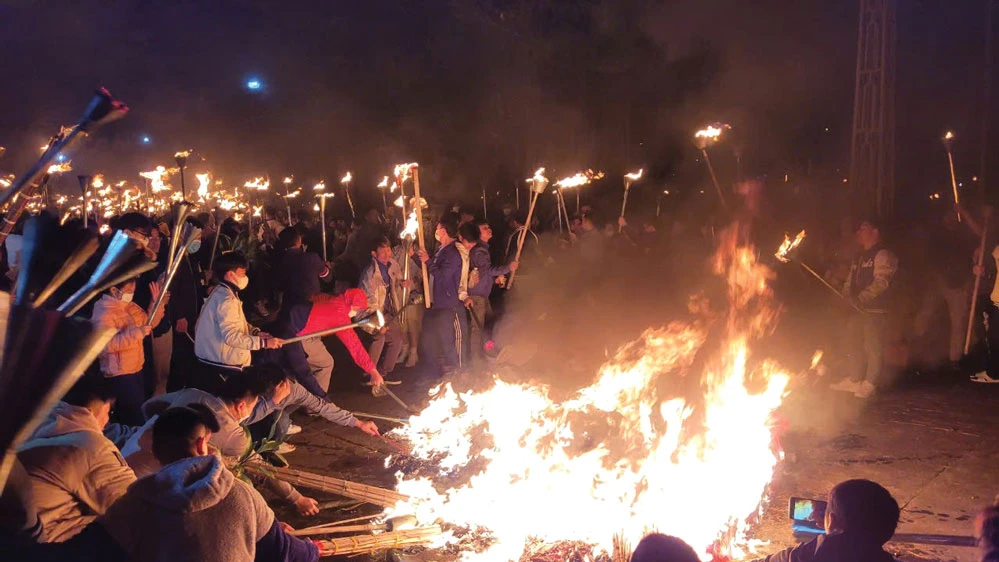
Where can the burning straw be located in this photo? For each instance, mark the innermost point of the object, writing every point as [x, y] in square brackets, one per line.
[346, 488]
[370, 543]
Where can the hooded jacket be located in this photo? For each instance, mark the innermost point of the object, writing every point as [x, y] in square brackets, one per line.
[223, 336]
[123, 354]
[75, 472]
[191, 510]
[831, 548]
[379, 292]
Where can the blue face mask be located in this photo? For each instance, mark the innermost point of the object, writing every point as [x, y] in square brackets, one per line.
[194, 247]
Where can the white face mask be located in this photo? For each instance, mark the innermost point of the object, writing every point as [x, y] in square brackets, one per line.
[194, 247]
[242, 282]
[126, 297]
[437, 235]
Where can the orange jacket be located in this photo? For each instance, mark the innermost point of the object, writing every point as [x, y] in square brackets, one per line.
[123, 354]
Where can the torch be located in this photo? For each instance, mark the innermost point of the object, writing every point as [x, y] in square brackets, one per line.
[381, 187]
[85, 188]
[407, 235]
[538, 184]
[783, 256]
[181, 158]
[947, 139]
[628, 180]
[103, 109]
[320, 190]
[288, 196]
[183, 236]
[345, 182]
[702, 139]
[485, 210]
[419, 232]
[978, 279]
[20, 202]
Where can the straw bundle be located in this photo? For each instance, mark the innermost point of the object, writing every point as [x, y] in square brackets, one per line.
[370, 543]
[363, 492]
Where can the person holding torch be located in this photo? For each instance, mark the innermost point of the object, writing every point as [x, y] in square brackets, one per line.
[447, 322]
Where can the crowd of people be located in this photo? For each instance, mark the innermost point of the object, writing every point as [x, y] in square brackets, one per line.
[138, 460]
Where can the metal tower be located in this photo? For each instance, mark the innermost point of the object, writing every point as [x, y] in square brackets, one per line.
[872, 151]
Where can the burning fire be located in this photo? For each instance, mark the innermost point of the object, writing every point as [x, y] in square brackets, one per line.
[711, 132]
[260, 184]
[346, 178]
[97, 182]
[581, 178]
[60, 168]
[402, 172]
[634, 176]
[319, 186]
[384, 184]
[618, 456]
[412, 225]
[182, 154]
[788, 245]
[155, 178]
[203, 182]
[949, 135]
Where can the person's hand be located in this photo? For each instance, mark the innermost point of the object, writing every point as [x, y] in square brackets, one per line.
[307, 506]
[155, 288]
[469, 303]
[263, 334]
[182, 325]
[368, 427]
[622, 222]
[286, 527]
[500, 281]
[271, 342]
[514, 265]
[146, 330]
[376, 378]
[282, 391]
[423, 256]
[977, 270]
[407, 284]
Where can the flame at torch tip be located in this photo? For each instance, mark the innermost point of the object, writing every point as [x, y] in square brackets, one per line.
[411, 226]
[346, 178]
[319, 186]
[203, 182]
[288, 180]
[711, 132]
[788, 245]
[60, 168]
[949, 135]
[260, 184]
[98, 181]
[635, 176]
[384, 183]
[578, 179]
[183, 154]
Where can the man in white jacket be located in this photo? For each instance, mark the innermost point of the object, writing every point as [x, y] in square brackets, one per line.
[223, 339]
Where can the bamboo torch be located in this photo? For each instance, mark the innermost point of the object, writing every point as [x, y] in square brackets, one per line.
[345, 182]
[978, 279]
[381, 187]
[538, 184]
[702, 139]
[628, 180]
[419, 232]
[953, 178]
[320, 189]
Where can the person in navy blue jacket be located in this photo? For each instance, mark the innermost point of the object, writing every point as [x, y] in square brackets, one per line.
[446, 324]
[482, 278]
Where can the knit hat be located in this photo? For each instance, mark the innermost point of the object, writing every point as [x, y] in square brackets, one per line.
[355, 298]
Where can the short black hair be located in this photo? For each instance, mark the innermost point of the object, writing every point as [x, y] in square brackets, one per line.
[252, 382]
[383, 242]
[658, 547]
[449, 221]
[174, 431]
[288, 238]
[865, 510]
[92, 387]
[229, 261]
[469, 231]
[135, 221]
[871, 220]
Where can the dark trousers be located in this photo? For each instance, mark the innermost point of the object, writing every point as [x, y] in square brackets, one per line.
[274, 427]
[992, 339]
[445, 333]
[130, 394]
[210, 378]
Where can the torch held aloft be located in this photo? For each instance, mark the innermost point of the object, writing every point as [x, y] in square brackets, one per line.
[419, 235]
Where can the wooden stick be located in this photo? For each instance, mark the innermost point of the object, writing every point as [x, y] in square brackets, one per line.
[383, 541]
[978, 282]
[953, 182]
[363, 492]
[523, 236]
[419, 235]
[624, 202]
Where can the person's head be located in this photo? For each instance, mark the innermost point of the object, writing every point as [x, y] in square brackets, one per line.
[867, 233]
[447, 229]
[587, 223]
[373, 216]
[305, 218]
[383, 251]
[95, 393]
[241, 390]
[289, 239]
[231, 267]
[139, 225]
[663, 548]
[485, 231]
[356, 300]
[124, 291]
[862, 509]
[182, 432]
[468, 234]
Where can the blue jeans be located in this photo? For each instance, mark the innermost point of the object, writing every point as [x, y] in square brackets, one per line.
[130, 394]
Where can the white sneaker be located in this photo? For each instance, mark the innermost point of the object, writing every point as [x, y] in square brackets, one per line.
[285, 448]
[846, 385]
[294, 430]
[865, 390]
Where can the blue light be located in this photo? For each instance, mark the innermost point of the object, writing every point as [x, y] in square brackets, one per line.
[146, 140]
[254, 84]
[61, 158]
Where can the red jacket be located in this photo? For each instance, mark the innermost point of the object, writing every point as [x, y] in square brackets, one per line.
[328, 312]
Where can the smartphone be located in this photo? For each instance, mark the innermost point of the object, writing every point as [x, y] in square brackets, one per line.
[808, 511]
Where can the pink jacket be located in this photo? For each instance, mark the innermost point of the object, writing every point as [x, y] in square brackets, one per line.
[123, 354]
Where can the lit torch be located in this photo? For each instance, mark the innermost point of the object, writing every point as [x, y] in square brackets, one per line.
[702, 139]
[320, 191]
[287, 196]
[538, 183]
[628, 180]
[414, 169]
[181, 158]
[204, 180]
[947, 139]
[407, 235]
[381, 187]
[345, 182]
[574, 181]
[783, 255]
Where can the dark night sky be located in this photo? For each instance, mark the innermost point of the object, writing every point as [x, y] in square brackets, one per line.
[480, 90]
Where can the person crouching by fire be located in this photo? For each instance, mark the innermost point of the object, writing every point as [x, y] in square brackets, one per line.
[868, 288]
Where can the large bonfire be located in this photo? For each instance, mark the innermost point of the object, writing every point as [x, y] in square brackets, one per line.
[622, 456]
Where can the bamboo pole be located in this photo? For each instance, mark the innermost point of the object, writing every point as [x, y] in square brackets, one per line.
[978, 281]
[362, 492]
[383, 541]
[419, 235]
[523, 236]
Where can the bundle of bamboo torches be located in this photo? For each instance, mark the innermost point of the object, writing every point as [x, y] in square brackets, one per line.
[369, 543]
[362, 492]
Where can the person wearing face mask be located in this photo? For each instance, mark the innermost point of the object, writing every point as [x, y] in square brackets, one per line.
[186, 296]
[123, 358]
[446, 323]
[223, 339]
[74, 472]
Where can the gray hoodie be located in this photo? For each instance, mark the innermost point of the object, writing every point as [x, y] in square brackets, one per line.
[191, 510]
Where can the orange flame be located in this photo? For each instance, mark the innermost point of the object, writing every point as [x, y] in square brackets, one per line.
[346, 178]
[384, 184]
[411, 227]
[204, 180]
[260, 184]
[634, 176]
[788, 245]
[60, 168]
